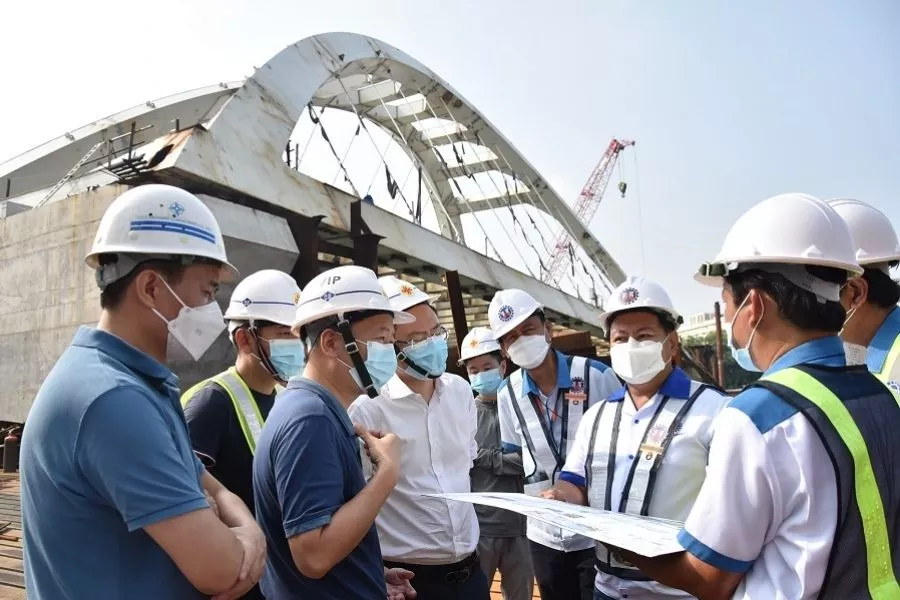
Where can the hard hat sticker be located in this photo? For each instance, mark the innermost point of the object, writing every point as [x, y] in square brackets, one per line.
[629, 295]
[177, 209]
[506, 313]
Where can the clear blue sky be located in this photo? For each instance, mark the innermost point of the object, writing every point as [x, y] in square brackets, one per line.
[729, 102]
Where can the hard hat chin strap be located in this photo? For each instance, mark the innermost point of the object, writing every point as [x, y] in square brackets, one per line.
[402, 356]
[263, 356]
[359, 364]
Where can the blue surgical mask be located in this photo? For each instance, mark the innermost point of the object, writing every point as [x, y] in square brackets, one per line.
[430, 355]
[381, 362]
[287, 356]
[741, 355]
[486, 383]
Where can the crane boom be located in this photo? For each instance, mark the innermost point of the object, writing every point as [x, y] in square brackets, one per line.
[586, 205]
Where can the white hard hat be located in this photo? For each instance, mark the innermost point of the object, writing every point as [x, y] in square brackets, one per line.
[156, 221]
[478, 341]
[873, 234]
[342, 290]
[402, 294]
[508, 309]
[788, 229]
[266, 295]
[637, 292]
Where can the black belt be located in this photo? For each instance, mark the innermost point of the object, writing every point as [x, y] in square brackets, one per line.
[626, 574]
[455, 573]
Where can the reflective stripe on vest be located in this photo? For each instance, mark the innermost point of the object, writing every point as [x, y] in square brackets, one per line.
[887, 369]
[541, 457]
[880, 575]
[639, 485]
[242, 399]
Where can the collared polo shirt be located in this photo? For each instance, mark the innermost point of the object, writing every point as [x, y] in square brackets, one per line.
[884, 340]
[438, 450]
[307, 466]
[770, 498]
[105, 453]
[681, 472]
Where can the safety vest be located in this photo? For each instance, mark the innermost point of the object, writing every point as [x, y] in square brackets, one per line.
[857, 421]
[245, 407]
[883, 355]
[542, 456]
[639, 486]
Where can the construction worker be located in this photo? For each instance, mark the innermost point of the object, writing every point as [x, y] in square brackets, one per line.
[802, 483]
[433, 412]
[502, 543]
[113, 498]
[225, 413]
[312, 499]
[540, 407]
[644, 450]
[871, 332]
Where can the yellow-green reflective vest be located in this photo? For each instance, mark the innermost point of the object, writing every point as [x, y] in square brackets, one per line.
[851, 411]
[242, 399]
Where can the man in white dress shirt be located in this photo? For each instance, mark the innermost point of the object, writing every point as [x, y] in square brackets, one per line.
[433, 413]
[644, 450]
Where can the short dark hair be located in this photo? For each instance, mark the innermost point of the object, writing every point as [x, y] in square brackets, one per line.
[884, 292]
[797, 306]
[666, 320]
[113, 294]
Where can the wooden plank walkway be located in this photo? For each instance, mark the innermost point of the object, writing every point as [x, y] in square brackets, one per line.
[12, 578]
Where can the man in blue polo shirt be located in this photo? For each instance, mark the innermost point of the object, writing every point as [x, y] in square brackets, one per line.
[312, 499]
[114, 503]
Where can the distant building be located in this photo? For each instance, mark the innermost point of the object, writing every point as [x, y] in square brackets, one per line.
[697, 325]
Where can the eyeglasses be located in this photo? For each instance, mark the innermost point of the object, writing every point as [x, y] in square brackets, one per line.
[419, 338]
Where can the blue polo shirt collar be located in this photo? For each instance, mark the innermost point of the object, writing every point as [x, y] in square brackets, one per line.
[883, 341]
[119, 349]
[302, 383]
[677, 385]
[827, 351]
[563, 377]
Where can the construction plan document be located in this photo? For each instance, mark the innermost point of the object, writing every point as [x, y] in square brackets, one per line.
[645, 536]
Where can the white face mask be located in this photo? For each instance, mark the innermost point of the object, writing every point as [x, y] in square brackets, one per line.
[637, 362]
[193, 331]
[855, 353]
[529, 351]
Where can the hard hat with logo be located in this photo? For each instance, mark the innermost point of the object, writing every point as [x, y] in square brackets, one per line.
[156, 221]
[266, 295]
[340, 291]
[402, 294]
[508, 309]
[477, 342]
[788, 229]
[874, 237]
[637, 293]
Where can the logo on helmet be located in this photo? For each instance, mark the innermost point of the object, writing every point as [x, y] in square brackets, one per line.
[407, 290]
[506, 313]
[296, 298]
[629, 295]
[246, 301]
[473, 343]
[327, 296]
[176, 209]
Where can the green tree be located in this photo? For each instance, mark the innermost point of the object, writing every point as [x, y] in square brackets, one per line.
[703, 349]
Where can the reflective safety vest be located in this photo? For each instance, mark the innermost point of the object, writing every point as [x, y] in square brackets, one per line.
[245, 407]
[542, 456]
[639, 486]
[883, 356]
[857, 421]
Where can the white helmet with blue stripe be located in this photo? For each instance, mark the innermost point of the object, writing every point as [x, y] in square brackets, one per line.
[156, 221]
[266, 295]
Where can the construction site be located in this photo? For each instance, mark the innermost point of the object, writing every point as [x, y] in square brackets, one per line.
[340, 149]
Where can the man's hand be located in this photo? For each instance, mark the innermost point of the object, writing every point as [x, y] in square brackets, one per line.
[383, 448]
[553, 494]
[398, 585]
[212, 503]
[254, 544]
